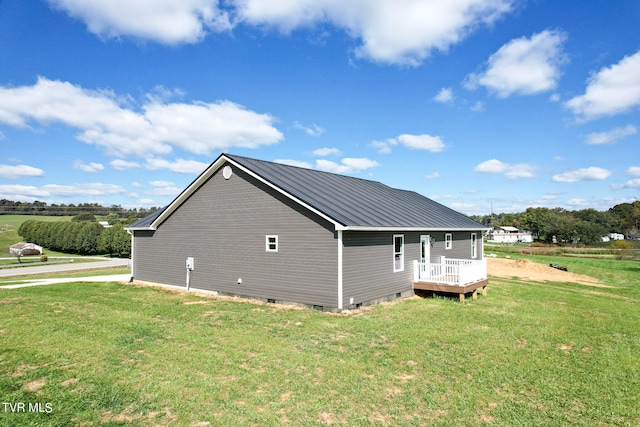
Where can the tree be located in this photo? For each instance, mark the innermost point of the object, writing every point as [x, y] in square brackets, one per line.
[87, 240]
[84, 217]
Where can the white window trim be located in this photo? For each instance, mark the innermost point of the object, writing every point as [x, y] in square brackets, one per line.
[448, 241]
[401, 253]
[268, 244]
[474, 245]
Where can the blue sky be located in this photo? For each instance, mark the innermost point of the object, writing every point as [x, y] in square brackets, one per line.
[474, 103]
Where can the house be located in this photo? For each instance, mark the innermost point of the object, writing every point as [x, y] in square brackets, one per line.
[508, 234]
[282, 233]
[616, 236]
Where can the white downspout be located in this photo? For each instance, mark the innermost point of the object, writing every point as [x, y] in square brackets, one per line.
[339, 269]
[131, 232]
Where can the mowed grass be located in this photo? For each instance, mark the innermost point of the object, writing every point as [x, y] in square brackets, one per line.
[527, 354]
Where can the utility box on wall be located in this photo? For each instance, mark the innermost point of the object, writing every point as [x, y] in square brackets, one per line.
[190, 263]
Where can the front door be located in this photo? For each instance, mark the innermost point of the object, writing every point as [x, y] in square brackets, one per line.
[425, 254]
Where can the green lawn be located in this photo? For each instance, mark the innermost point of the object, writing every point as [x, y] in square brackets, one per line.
[527, 354]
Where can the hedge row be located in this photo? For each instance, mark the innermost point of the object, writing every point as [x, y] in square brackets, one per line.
[84, 238]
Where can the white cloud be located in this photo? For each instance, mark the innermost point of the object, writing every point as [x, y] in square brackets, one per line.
[22, 192]
[383, 147]
[592, 173]
[609, 137]
[523, 66]
[119, 164]
[19, 171]
[31, 193]
[163, 188]
[179, 165]
[521, 170]
[101, 119]
[322, 152]
[164, 21]
[297, 163]
[445, 96]
[610, 91]
[88, 167]
[313, 130]
[85, 189]
[426, 142]
[396, 32]
[432, 175]
[347, 165]
[579, 203]
[478, 107]
[389, 31]
[632, 184]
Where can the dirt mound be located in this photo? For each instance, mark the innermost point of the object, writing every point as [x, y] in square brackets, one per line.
[525, 269]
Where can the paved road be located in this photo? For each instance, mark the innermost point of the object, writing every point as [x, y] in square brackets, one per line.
[40, 282]
[55, 268]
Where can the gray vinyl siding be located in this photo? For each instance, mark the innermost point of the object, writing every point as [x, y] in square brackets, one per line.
[223, 227]
[368, 259]
[461, 245]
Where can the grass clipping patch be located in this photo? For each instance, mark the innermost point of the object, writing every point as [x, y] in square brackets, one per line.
[525, 269]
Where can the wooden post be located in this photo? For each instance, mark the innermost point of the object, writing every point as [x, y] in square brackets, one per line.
[462, 298]
[475, 294]
[484, 291]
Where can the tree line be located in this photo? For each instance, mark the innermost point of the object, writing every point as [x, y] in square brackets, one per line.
[78, 236]
[41, 208]
[586, 226]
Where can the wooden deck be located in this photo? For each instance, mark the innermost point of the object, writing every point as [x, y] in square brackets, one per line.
[454, 289]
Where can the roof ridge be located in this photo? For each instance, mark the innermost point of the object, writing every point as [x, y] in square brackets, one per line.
[311, 170]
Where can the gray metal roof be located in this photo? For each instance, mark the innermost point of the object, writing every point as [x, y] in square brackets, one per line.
[355, 202]
[145, 222]
[350, 203]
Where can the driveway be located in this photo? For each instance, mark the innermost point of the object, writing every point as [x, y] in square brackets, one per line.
[56, 268]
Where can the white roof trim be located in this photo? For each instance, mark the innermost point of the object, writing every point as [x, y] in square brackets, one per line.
[365, 228]
[204, 176]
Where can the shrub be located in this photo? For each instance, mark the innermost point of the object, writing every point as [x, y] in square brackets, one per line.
[44, 258]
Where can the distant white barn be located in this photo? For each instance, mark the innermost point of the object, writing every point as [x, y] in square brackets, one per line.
[24, 249]
[508, 234]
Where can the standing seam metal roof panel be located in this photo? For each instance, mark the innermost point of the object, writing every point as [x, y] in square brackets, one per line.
[357, 202]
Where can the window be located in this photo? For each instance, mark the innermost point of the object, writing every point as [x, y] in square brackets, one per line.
[398, 252]
[271, 243]
[474, 245]
[448, 241]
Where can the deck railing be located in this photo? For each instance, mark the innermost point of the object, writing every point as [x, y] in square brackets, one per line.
[449, 271]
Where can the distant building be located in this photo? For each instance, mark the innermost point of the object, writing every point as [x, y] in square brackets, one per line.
[509, 235]
[616, 236]
[24, 249]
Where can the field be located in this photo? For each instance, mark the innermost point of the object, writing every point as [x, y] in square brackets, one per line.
[529, 353]
[10, 225]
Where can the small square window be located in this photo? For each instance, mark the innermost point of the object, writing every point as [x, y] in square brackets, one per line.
[448, 241]
[271, 243]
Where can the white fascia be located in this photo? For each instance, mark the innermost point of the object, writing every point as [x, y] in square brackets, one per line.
[366, 228]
